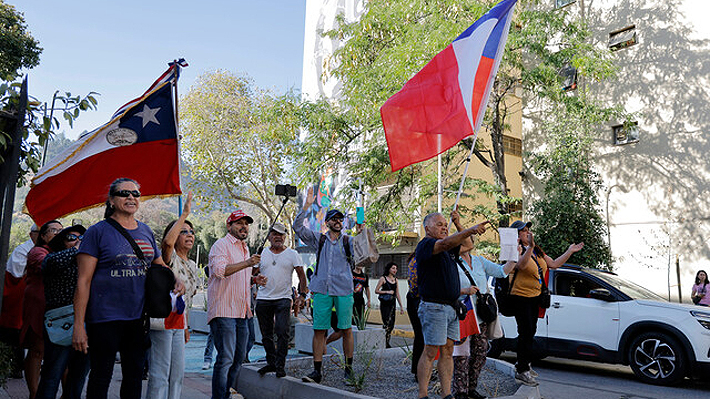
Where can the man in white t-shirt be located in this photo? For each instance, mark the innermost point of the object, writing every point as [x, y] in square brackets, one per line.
[273, 301]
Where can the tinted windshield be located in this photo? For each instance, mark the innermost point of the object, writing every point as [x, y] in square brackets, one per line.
[627, 287]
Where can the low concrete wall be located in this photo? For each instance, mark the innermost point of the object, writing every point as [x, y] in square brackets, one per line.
[254, 386]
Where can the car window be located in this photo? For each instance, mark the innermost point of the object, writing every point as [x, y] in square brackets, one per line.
[574, 285]
[627, 287]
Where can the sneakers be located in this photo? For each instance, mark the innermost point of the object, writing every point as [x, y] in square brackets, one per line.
[206, 365]
[266, 369]
[533, 373]
[280, 373]
[233, 394]
[526, 379]
[314, 376]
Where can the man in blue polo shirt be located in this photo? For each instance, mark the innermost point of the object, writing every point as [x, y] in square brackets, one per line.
[331, 284]
[439, 289]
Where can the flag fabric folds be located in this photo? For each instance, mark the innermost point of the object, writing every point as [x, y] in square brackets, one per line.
[445, 101]
[140, 142]
[469, 325]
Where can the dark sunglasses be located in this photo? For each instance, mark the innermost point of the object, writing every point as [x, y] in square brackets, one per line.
[74, 237]
[126, 193]
[186, 232]
[337, 219]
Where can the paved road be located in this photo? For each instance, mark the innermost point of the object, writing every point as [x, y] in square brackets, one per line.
[565, 379]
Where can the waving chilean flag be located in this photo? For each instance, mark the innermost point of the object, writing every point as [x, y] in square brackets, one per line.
[140, 142]
[445, 101]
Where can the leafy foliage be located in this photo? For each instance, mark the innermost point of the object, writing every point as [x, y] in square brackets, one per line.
[18, 49]
[238, 142]
[395, 39]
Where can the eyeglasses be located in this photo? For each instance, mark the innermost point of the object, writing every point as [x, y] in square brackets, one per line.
[337, 219]
[126, 193]
[187, 232]
[74, 237]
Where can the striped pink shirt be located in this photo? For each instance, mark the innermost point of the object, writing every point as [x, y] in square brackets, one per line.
[228, 296]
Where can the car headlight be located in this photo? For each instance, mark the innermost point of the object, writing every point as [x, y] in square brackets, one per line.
[702, 317]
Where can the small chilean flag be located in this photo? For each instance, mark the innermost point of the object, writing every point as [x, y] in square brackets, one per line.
[140, 142]
[445, 101]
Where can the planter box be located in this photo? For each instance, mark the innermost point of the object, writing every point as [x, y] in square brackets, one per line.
[198, 320]
[370, 338]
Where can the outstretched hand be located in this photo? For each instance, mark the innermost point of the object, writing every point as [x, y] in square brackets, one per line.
[481, 227]
[310, 198]
[576, 247]
[186, 206]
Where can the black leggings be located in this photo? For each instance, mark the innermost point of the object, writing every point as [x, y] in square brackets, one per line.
[526, 311]
[418, 345]
[388, 312]
[105, 339]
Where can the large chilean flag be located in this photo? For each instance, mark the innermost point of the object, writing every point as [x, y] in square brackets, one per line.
[140, 142]
[445, 101]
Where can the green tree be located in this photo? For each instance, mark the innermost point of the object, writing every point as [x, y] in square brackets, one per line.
[18, 49]
[238, 143]
[392, 41]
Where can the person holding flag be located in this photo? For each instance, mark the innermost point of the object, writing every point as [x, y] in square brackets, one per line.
[439, 289]
[470, 352]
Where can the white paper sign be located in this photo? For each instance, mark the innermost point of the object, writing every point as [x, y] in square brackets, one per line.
[508, 244]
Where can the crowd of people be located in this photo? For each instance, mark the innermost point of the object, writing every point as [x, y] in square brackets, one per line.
[98, 275]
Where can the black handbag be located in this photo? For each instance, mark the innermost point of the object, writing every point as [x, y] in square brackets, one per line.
[461, 309]
[486, 307]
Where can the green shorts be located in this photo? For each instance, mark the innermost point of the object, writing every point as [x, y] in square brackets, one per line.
[323, 306]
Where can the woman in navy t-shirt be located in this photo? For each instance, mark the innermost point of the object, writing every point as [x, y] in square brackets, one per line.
[110, 293]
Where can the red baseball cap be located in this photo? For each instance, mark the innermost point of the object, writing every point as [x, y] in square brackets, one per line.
[236, 215]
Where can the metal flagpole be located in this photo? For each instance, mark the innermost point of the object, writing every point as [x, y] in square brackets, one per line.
[439, 191]
[177, 67]
[463, 178]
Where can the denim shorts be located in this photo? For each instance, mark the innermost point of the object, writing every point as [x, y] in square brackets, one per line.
[439, 322]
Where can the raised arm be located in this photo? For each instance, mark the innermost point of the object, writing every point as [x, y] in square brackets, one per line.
[169, 240]
[554, 264]
[309, 237]
[466, 245]
[457, 239]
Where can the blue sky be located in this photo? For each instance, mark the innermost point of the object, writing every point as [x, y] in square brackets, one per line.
[118, 48]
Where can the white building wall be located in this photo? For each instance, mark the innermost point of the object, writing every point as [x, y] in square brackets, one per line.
[656, 189]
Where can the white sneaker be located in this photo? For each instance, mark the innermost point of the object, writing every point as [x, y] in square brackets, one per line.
[206, 365]
[533, 373]
[526, 379]
[233, 394]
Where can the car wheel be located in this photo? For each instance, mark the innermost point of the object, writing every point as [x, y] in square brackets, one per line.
[657, 358]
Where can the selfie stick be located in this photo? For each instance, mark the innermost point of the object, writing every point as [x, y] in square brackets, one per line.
[283, 204]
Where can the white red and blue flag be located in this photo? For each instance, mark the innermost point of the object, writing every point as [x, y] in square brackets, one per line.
[140, 142]
[469, 325]
[445, 101]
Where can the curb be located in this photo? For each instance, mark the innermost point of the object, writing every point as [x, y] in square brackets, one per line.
[252, 385]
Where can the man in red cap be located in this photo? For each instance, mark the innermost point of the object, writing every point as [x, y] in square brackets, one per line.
[229, 294]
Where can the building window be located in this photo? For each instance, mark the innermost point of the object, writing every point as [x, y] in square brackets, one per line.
[569, 77]
[626, 133]
[623, 38]
[512, 145]
[562, 3]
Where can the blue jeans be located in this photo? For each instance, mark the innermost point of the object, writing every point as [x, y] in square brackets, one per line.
[167, 364]
[230, 340]
[252, 338]
[209, 348]
[57, 359]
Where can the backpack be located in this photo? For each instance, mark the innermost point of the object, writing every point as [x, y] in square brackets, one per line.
[502, 290]
[346, 247]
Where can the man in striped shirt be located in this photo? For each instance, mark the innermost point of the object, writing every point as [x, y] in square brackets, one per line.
[229, 293]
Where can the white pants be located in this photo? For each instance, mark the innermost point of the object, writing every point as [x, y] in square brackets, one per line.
[167, 364]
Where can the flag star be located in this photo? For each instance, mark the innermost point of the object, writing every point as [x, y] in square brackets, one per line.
[148, 115]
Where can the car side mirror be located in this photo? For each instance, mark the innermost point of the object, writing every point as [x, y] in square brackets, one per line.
[602, 294]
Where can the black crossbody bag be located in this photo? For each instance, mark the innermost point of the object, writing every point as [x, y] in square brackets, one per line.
[486, 307]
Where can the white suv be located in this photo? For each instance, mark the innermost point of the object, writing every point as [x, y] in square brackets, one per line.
[598, 316]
